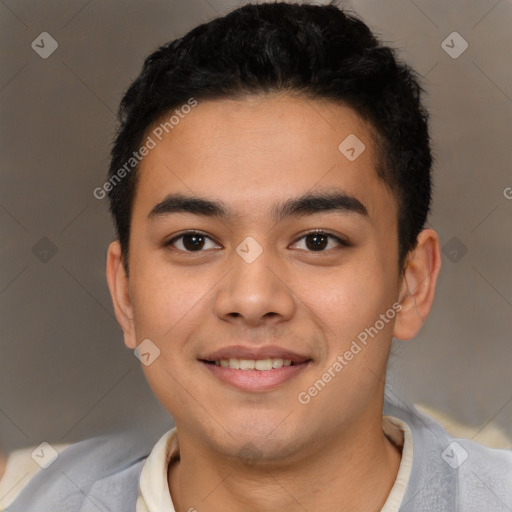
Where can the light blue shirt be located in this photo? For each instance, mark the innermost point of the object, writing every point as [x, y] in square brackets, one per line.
[447, 475]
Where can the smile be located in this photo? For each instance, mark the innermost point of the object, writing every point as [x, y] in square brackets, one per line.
[255, 374]
[253, 364]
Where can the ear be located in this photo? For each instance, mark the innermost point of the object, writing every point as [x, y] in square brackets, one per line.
[118, 283]
[417, 288]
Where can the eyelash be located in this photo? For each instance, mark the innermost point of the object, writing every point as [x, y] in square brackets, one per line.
[341, 242]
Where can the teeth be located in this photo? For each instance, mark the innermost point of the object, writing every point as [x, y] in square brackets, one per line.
[263, 364]
[253, 364]
[247, 364]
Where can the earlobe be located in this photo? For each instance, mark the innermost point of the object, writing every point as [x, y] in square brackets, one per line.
[119, 291]
[418, 285]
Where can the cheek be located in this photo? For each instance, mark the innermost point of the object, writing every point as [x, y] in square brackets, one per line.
[166, 300]
[348, 299]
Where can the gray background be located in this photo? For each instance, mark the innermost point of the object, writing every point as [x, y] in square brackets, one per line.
[65, 373]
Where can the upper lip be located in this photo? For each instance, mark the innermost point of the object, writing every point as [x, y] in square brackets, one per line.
[268, 352]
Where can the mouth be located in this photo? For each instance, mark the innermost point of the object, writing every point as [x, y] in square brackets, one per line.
[255, 375]
[262, 365]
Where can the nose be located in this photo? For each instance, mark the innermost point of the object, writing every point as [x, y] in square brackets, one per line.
[255, 292]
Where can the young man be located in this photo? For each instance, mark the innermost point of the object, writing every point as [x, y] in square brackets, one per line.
[270, 183]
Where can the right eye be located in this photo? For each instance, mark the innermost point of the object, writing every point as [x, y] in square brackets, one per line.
[190, 241]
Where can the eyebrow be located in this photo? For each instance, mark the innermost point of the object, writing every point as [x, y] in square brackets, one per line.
[307, 204]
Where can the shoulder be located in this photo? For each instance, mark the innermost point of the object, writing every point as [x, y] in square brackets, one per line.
[484, 474]
[20, 466]
[102, 470]
[451, 473]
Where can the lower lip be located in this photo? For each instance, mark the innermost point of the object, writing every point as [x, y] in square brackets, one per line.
[256, 380]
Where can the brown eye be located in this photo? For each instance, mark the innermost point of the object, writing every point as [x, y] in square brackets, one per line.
[318, 241]
[192, 241]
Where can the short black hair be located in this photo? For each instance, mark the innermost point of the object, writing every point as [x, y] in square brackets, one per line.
[317, 51]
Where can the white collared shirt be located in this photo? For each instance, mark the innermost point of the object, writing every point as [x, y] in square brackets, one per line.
[155, 495]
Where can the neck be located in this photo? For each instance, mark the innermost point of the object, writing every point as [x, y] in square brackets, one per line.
[353, 471]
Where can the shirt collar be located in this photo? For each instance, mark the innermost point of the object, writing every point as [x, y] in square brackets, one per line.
[155, 496]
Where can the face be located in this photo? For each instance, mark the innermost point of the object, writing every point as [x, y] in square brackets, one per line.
[257, 280]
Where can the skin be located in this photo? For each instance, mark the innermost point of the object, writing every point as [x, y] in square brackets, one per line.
[251, 153]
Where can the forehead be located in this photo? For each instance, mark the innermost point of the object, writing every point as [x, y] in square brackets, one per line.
[257, 151]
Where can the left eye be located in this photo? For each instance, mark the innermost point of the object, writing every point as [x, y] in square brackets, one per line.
[317, 241]
[195, 241]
